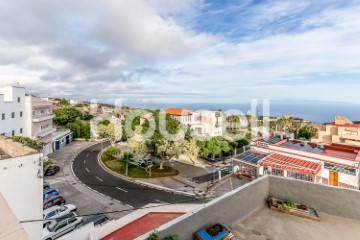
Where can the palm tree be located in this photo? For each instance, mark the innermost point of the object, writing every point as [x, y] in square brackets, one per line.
[125, 158]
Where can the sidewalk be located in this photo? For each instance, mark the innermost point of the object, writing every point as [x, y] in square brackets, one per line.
[182, 182]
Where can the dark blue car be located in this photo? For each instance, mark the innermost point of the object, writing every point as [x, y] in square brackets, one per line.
[48, 193]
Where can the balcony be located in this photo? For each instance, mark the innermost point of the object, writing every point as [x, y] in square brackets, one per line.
[43, 117]
[45, 132]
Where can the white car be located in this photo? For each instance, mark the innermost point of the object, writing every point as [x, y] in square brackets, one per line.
[57, 211]
[60, 226]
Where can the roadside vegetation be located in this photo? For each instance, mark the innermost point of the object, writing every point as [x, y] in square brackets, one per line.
[73, 119]
[121, 165]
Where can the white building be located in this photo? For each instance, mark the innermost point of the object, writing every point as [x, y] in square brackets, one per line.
[39, 121]
[21, 184]
[12, 108]
[203, 122]
[27, 116]
[334, 164]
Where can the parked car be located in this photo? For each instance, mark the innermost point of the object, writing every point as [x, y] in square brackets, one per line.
[56, 212]
[144, 162]
[60, 226]
[46, 185]
[52, 170]
[54, 201]
[51, 192]
[96, 219]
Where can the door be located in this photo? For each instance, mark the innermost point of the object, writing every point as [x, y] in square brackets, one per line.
[57, 145]
[333, 178]
[67, 140]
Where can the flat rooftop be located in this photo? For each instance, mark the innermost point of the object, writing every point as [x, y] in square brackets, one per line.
[266, 224]
[333, 150]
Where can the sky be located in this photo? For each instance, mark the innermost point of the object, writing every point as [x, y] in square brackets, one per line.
[189, 51]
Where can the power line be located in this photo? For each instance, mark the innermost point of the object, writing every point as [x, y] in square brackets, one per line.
[150, 189]
[115, 211]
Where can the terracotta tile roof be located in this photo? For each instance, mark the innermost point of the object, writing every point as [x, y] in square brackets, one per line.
[177, 112]
[290, 163]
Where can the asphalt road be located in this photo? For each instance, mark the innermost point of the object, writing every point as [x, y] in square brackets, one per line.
[88, 170]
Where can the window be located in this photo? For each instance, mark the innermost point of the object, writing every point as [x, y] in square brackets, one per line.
[71, 220]
[13, 133]
[21, 130]
[51, 214]
[19, 99]
[61, 225]
[21, 113]
[277, 172]
[300, 176]
[3, 116]
[12, 115]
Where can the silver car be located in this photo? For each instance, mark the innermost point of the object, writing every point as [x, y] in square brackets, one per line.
[60, 226]
[57, 211]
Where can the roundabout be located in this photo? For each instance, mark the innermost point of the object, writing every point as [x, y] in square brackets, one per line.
[88, 170]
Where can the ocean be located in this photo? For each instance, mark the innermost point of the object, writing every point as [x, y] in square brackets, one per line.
[320, 112]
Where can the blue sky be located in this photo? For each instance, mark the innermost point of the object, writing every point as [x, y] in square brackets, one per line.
[189, 51]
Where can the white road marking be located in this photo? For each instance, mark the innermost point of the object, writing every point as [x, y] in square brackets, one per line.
[99, 179]
[87, 155]
[129, 205]
[121, 189]
[157, 200]
[84, 161]
[87, 169]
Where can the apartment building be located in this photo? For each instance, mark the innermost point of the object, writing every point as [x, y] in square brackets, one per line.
[39, 121]
[12, 110]
[26, 115]
[202, 123]
[334, 164]
[342, 130]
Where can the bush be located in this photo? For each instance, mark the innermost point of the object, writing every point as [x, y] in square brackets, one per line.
[289, 203]
[27, 142]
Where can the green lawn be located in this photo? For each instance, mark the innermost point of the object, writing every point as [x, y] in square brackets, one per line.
[138, 172]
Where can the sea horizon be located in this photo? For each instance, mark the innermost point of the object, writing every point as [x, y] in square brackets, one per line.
[319, 112]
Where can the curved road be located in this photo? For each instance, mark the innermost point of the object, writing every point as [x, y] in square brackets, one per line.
[88, 170]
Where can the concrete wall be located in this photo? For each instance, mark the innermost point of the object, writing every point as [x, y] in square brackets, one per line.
[227, 209]
[332, 200]
[22, 187]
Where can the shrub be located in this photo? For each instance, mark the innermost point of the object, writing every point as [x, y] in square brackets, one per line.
[289, 203]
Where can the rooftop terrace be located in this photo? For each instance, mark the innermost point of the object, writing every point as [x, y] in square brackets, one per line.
[244, 211]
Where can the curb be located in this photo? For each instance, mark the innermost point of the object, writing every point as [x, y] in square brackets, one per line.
[78, 180]
[142, 182]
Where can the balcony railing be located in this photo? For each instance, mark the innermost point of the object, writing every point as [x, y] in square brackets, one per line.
[43, 117]
[45, 132]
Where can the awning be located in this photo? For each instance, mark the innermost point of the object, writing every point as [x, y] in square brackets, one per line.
[290, 163]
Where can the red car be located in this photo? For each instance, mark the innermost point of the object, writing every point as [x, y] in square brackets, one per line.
[53, 201]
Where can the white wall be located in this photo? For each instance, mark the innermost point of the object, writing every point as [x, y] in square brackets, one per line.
[8, 104]
[22, 190]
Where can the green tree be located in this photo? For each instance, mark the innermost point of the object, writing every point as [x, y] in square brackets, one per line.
[189, 149]
[168, 150]
[307, 132]
[66, 115]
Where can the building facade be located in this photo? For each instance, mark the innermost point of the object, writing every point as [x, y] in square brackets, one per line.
[202, 122]
[27, 116]
[342, 130]
[334, 164]
[12, 110]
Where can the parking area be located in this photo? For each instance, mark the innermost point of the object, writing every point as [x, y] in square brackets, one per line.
[74, 192]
